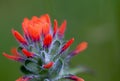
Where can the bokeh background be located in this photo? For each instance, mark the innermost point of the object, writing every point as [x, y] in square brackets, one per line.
[95, 21]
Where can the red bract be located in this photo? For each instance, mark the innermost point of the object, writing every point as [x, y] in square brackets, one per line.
[47, 40]
[27, 53]
[23, 79]
[34, 32]
[15, 55]
[62, 29]
[67, 44]
[75, 78]
[14, 52]
[48, 65]
[19, 37]
[35, 27]
[55, 27]
[81, 47]
[45, 21]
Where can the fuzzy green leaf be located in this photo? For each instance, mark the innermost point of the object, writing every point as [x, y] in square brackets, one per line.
[24, 70]
[56, 70]
[32, 67]
[81, 69]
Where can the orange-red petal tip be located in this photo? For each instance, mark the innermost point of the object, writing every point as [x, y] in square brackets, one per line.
[62, 29]
[55, 27]
[19, 37]
[67, 45]
[16, 58]
[14, 51]
[47, 40]
[75, 78]
[81, 47]
[48, 65]
[27, 53]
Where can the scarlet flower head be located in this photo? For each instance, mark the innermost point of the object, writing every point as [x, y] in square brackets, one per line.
[43, 53]
[36, 27]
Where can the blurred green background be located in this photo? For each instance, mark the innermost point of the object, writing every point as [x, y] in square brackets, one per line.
[95, 21]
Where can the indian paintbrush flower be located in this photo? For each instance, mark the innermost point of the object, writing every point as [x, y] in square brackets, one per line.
[43, 53]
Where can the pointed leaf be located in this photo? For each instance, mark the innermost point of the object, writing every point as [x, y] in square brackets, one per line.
[56, 70]
[24, 70]
[81, 69]
[32, 67]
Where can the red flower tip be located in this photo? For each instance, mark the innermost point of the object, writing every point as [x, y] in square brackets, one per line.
[62, 29]
[19, 37]
[35, 19]
[45, 19]
[25, 25]
[45, 23]
[48, 65]
[75, 78]
[67, 45]
[23, 79]
[45, 29]
[55, 27]
[47, 40]
[35, 27]
[81, 47]
[14, 52]
[34, 31]
[16, 58]
[27, 53]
